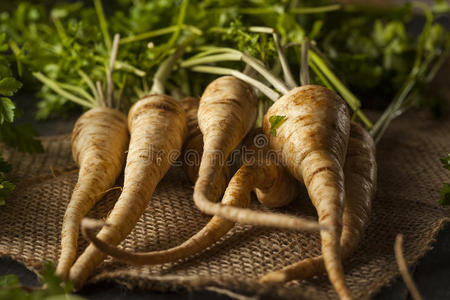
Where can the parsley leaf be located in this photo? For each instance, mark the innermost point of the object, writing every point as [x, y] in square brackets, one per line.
[256, 44]
[21, 137]
[445, 192]
[7, 108]
[445, 195]
[275, 122]
[9, 86]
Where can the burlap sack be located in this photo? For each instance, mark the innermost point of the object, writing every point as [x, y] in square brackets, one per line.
[410, 177]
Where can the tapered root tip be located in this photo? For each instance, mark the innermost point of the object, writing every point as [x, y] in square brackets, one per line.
[275, 277]
[91, 226]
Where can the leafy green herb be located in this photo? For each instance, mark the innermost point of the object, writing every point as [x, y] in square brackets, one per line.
[19, 137]
[255, 44]
[370, 50]
[445, 192]
[53, 287]
[275, 122]
[9, 86]
[445, 195]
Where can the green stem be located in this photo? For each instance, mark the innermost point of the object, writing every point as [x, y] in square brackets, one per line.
[205, 52]
[287, 74]
[397, 106]
[121, 65]
[235, 55]
[261, 69]
[304, 70]
[159, 32]
[322, 78]
[315, 10]
[90, 83]
[103, 23]
[179, 26]
[16, 50]
[210, 59]
[57, 89]
[349, 97]
[166, 67]
[176, 34]
[109, 79]
[147, 35]
[261, 10]
[271, 94]
[60, 29]
[163, 73]
[80, 91]
[101, 95]
[391, 112]
[352, 100]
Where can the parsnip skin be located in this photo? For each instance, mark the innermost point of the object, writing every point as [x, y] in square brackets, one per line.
[99, 141]
[271, 182]
[207, 236]
[158, 127]
[313, 143]
[193, 149]
[360, 172]
[236, 195]
[274, 186]
[227, 112]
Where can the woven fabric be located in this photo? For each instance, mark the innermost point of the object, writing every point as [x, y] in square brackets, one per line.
[410, 177]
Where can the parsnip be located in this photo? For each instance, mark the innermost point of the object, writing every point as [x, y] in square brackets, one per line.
[157, 125]
[313, 143]
[360, 172]
[271, 182]
[227, 112]
[99, 141]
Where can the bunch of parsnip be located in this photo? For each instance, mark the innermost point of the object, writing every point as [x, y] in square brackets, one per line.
[319, 146]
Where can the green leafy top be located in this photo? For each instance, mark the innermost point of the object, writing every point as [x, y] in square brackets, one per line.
[8, 85]
[69, 49]
[445, 192]
[445, 195]
[275, 122]
[19, 137]
[256, 44]
[369, 50]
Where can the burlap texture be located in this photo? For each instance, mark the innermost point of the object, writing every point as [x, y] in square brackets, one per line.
[410, 177]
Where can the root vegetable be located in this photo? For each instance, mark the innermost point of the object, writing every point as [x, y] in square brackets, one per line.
[360, 172]
[157, 125]
[271, 182]
[99, 141]
[193, 149]
[227, 112]
[313, 144]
